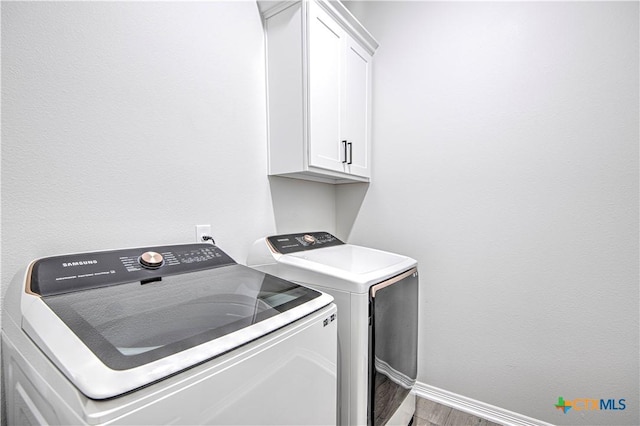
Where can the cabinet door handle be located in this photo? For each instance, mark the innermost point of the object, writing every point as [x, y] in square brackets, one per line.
[344, 147]
[350, 153]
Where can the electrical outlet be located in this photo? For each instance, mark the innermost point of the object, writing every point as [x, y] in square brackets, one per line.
[202, 230]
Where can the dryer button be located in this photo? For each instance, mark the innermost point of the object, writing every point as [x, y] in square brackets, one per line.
[309, 239]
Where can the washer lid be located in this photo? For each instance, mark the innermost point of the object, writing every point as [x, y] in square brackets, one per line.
[112, 339]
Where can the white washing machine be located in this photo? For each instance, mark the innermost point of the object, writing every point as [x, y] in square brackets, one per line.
[176, 334]
[377, 297]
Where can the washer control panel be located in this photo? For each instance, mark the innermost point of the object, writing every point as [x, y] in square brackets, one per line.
[83, 271]
[292, 243]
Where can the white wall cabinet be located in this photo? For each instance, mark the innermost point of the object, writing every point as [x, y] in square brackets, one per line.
[318, 91]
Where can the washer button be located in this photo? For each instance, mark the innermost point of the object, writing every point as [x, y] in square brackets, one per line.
[151, 260]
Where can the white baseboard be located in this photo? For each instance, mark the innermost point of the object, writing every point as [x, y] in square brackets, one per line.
[477, 408]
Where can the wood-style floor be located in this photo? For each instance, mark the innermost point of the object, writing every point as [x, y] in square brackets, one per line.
[429, 413]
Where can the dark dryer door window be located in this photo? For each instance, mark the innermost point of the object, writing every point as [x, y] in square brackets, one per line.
[393, 351]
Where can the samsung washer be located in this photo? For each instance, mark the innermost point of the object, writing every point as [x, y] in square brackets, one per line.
[377, 297]
[178, 334]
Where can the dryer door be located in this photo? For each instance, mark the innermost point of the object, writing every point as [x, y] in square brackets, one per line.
[393, 344]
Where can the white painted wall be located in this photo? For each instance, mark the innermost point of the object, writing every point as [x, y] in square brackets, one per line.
[506, 161]
[127, 123]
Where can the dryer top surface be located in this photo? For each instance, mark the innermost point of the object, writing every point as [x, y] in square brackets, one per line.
[356, 268]
[350, 258]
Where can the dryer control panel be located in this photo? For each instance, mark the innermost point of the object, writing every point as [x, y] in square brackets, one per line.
[292, 243]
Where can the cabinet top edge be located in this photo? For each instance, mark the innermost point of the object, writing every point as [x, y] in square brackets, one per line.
[338, 10]
[268, 8]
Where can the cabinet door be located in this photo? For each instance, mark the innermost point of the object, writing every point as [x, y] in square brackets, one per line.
[357, 108]
[326, 47]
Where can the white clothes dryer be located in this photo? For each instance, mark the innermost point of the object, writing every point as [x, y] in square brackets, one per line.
[177, 334]
[377, 297]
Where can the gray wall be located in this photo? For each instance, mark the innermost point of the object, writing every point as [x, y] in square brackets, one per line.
[506, 161]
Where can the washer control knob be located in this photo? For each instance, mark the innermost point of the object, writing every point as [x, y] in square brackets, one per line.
[309, 239]
[151, 260]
